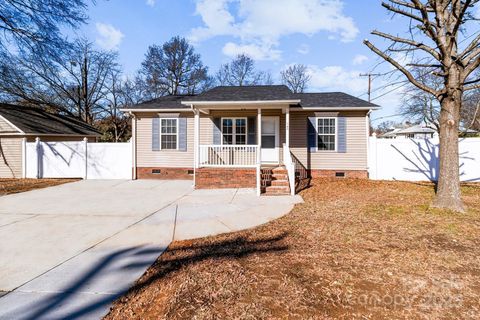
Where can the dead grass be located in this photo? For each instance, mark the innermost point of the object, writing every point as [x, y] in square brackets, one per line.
[8, 186]
[355, 249]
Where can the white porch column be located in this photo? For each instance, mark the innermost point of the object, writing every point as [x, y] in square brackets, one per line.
[287, 127]
[259, 150]
[197, 137]
[196, 144]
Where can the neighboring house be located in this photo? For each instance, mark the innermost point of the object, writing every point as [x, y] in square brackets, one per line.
[417, 131]
[232, 137]
[20, 124]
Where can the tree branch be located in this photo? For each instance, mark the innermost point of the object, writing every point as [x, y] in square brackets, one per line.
[402, 12]
[473, 87]
[397, 65]
[412, 43]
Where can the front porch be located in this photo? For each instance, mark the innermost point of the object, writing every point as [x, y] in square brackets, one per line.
[251, 148]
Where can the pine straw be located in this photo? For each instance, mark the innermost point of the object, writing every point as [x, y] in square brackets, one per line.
[8, 186]
[356, 249]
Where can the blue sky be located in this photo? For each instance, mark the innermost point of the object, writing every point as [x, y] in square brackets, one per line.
[325, 35]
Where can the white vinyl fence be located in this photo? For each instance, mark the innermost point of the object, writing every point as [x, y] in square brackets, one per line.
[417, 159]
[78, 159]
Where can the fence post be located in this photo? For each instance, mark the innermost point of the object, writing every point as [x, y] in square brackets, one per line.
[38, 154]
[372, 157]
[85, 141]
[24, 158]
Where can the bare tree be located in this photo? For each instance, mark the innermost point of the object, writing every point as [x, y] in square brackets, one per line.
[114, 124]
[296, 77]
[385, 126]
[173, 68]
[436, 27]
[241, 72]
[470, 113]
[35, 24]
[74, 83]
[419, 105]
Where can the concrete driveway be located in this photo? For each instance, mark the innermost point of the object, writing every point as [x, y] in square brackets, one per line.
[69, 251]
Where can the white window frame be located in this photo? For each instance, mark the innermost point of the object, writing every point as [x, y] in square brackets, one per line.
[234, 127]
[168, 134]
[317, 134]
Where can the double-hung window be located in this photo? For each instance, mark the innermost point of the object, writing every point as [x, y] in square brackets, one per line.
[169, 134]
[327, 134]
[234, 130]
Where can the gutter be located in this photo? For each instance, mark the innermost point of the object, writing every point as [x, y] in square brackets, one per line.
[336, 109]
[156, 110]
[251, 102]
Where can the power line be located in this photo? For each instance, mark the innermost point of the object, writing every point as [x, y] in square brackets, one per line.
[390, 91]
[385, 117]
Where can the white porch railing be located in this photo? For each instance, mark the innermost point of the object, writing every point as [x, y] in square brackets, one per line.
[290, 166]
[240, 156]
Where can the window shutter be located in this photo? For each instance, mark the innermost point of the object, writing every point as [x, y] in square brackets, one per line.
[182, 134]
[252, 130]
[155, 134]
[217, 134]
[312, 134]
[342, 134]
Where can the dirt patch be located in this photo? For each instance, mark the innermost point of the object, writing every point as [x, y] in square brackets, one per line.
[356, 249]
[8, 186]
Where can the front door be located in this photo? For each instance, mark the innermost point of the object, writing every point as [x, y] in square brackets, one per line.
[270, 148]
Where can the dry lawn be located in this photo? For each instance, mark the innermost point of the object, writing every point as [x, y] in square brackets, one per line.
[8, 186]
[355, 249]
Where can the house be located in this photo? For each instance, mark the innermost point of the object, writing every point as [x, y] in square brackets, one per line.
[19, 124]
[263, 137]
[418, 131]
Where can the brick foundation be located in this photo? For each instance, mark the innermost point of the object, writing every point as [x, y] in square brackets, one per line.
[165, 173]
[352, 174]
[218, 178]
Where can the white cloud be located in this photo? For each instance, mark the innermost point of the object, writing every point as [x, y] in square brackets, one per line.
[267, 21]
[359, 59]
[256, 52]
[336, 78]
[151, 3]
[109, 38]
[303, 49]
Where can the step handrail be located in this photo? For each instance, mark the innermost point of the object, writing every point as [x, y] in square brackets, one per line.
[290, 166]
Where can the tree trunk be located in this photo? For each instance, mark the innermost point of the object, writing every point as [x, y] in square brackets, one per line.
[448, 187]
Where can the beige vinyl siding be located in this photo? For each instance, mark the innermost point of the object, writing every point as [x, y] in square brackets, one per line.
[146, 157]
[10, 157]
[5, 127]
[354, 159]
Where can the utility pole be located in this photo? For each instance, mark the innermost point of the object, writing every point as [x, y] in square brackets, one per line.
[369, 75]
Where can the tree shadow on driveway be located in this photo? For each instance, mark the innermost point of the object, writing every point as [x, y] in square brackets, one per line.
[78, 300]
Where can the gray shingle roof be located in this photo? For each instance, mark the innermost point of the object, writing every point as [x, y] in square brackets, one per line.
[37, 121]
[332, 100]
[166, 102]
[245, 93]
[329, 100]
